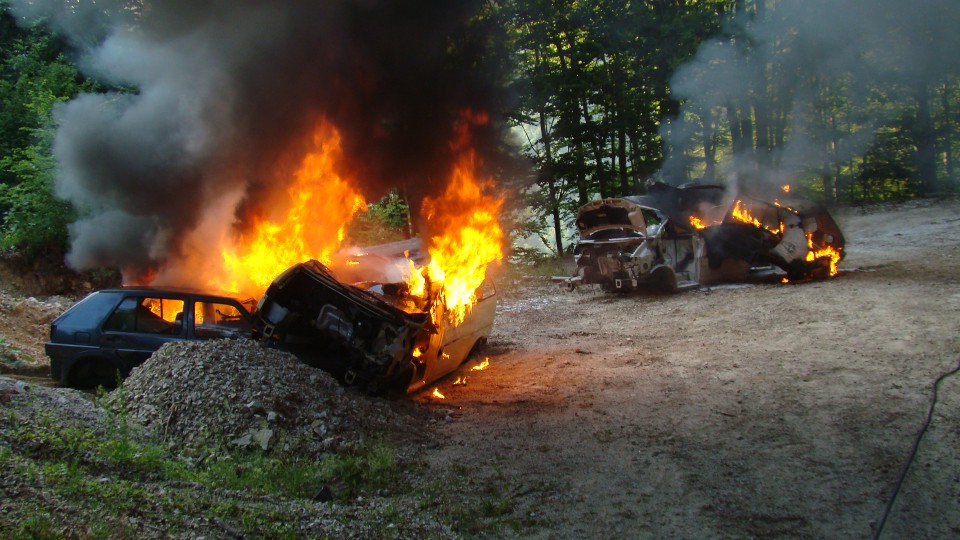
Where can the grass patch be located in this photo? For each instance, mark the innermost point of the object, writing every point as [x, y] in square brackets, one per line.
[63, 481]
[473, 506]
[114, 476]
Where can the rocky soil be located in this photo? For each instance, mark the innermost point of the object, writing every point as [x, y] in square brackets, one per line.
[237, 393]
[749, 410]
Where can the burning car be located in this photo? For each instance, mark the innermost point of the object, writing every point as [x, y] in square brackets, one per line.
[796, 235]
[677, 238]
[377, 335]
[112, 331]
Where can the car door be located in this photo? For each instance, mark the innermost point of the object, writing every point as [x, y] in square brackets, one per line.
[217, 318]
[140, 325]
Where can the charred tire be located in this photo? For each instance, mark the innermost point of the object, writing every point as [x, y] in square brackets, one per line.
[665, 278]
[93, 372]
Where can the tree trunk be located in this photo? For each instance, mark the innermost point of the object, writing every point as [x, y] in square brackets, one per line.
[547, 176]
[625, 187]
[949, 133]
[926, 142]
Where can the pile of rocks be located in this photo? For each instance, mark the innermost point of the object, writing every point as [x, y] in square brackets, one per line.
[237, 392]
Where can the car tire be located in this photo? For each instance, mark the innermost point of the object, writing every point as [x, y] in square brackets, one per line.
[93, 372]
[665, 278]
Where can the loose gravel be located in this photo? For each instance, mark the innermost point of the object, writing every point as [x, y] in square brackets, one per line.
[240, 393]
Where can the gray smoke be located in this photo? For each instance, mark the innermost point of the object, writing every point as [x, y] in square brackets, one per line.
[859, 50]
[225, 90]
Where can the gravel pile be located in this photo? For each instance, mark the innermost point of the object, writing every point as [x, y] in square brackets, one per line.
[236, 392]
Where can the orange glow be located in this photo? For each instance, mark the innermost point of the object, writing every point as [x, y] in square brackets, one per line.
[460, 381]
[320, 204]
[785, 188]
[415, 280]
[164, 308]
[482, 365]
[827, 251]
[465, 233]
[437, 394]
[417, 353]
[697, 222]
[741, 213]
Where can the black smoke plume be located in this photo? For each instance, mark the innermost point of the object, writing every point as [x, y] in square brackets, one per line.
[226, 90]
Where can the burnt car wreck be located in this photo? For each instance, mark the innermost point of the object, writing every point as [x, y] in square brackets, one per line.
[679, 238]
[371, 334]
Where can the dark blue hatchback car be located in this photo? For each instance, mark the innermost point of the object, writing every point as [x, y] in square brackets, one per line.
[110, 332]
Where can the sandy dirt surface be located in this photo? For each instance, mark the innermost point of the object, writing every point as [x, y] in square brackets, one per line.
[759, 410]
[752, 410]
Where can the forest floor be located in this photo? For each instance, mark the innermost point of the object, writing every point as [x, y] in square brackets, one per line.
[747, 410]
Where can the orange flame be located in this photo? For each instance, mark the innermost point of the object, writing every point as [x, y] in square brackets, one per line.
[741, 213]
[321, 203]
[466, 234]
[482, 365]
[437, 394]
[826, 251]
[415, 280]
[166, 309]
[697, 223]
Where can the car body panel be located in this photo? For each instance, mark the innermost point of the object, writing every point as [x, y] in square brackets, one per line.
[625, 245]
[451, 346]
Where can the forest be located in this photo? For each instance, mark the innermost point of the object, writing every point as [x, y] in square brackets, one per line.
[847, 102]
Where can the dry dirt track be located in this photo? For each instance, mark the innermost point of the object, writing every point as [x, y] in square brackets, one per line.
[751, 411]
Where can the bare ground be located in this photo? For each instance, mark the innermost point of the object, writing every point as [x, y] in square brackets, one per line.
[756, 410]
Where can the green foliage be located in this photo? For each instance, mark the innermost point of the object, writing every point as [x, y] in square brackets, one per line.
[386, 220]
[593, 85]
[373, 468]
[258, 473]
[485, 507]
[34, 77]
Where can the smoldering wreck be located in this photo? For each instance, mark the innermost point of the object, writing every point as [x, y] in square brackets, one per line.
[679, 238]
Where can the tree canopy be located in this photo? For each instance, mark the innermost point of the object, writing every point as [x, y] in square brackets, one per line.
[847, 103]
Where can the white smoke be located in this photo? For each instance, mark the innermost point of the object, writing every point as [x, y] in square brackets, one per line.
[860, 50]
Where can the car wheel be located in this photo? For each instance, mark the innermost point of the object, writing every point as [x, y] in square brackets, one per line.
[93, 372]
[666, 279]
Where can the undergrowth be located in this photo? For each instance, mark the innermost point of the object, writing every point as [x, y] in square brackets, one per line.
[62, 481]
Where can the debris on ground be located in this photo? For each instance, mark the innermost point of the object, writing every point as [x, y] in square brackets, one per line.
[22, 321]
[32, 404]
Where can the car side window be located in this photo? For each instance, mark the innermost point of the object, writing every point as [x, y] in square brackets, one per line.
[147, 315]
[218, 320]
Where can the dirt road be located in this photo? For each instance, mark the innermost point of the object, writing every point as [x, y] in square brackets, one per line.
[755, 410]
